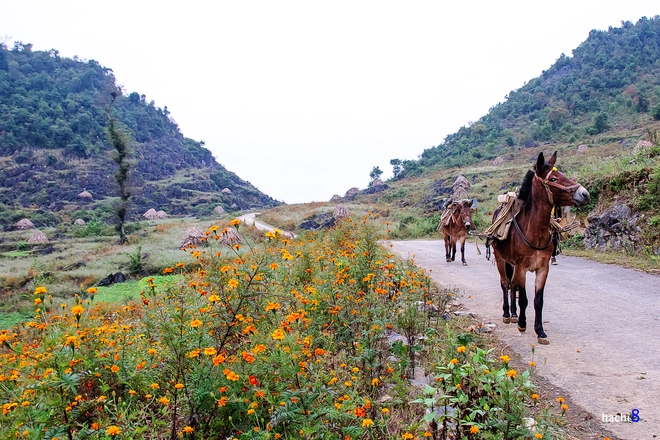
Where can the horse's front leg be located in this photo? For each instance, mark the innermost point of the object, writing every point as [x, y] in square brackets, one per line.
[505, 285]
[463, 250]
[518, 285]
[512, 294]
[453, 248]
[539, 287]
[447, 248]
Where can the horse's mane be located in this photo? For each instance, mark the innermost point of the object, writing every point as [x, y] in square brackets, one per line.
[525, 192]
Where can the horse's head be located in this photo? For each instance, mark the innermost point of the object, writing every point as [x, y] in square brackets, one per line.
[463, 211]
[561, 190]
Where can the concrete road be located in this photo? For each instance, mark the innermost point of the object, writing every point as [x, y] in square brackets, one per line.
[602, 321]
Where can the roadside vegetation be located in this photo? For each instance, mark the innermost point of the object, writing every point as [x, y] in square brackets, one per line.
[317, 337]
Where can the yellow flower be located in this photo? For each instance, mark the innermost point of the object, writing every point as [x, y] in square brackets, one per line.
[112, 430]
[272, 306]
[453, 361]
[154, 386]
[511, 373]
[235, 222]
[461, 349]
[210, 351]
[178, 386]
[152, 351]
[77, 310]
[250, 411]
[374, 382]
[214, 228]
[407, 436]
[560, 399]
[164, 400]
[564, 407]
[474, 429]
[274, 266]
[278, 334]
[367, 423]
[348, 384]
[40, 290]
[505, 358]
[385, 410]
[538, 435]
[196, 323]
[232, 283]
[92, 290]
[535, 396]
[214, 298]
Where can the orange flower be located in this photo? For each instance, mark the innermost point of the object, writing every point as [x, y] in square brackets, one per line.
[164, 400]
[223, 401]
[247, 357]
[511, 373]
[359, 412]
[461, 349]
[77, 310]
[196, 323]
[113, 430]
[535, 396]
[474, 429]
[564, 407]
[560, 399]
[178, 386]
[114, 368]
[40, 290]
[278, 334]
[235, 222]
[367, 423]
[453, 361]
[210, 351]
[218, 359]
[92, 290]
[272, 306]
[187, 429]
[505, 358]
[259, 348]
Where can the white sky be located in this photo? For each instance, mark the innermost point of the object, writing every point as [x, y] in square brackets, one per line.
[304, 98]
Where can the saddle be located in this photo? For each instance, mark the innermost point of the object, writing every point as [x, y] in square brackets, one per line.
[499, 230]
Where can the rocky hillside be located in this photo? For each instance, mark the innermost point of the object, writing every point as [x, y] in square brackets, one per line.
[53, 145]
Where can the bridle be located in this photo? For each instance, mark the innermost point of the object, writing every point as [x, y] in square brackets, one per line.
[547, 184]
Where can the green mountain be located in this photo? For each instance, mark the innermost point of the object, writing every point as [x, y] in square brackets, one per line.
[54, 146]
[612, 81]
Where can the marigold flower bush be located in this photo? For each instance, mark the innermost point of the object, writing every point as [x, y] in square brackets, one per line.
[285, 339]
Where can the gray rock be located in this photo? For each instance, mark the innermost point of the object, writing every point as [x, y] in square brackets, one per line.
[613, 229]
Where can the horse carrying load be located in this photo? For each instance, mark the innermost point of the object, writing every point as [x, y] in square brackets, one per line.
[521, 237]
[455, 224]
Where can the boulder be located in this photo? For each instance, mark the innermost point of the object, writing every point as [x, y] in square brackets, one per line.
[612, 229]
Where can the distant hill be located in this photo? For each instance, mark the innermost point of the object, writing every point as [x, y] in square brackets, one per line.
[612, 81]
[53, 144]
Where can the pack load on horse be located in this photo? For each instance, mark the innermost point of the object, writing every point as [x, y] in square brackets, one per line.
[521, 237]
[455, 224]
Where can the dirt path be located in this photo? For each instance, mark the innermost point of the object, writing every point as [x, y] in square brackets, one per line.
[251, 220]
[603, 323]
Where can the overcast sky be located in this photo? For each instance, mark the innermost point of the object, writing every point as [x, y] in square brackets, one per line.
[304, 98]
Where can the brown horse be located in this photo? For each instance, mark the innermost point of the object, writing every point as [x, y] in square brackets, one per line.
[528, 246]
[455, 226]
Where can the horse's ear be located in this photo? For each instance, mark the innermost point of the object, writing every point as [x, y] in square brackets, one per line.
[540, 163]
[553, 159]
[469, 205]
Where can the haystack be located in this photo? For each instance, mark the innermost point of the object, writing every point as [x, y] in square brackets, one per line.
[461, 188]
[38, 237]
[498, 161]
[24, 224]
[229, 237]
[79, 222]
[226, 191]
[335, 198]
[582, 149]
[340, 212]
[219, 210]
[352, 192]
[161, 215]
[642, 146]
[85, 195]
[193, 237]
[150, 214]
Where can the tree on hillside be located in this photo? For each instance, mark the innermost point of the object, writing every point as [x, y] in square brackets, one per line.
[375, 173]
[120, 142]
[397, 167]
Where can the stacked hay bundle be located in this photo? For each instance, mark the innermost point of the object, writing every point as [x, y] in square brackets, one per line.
[161, 215]
[498, 161]
[194, 237]
[340, 212]
[642, 146]
[229, 237]
[150, 214]
[38, 237]
[24, 225]
[219, 210]
[85, 195]
[461, 188]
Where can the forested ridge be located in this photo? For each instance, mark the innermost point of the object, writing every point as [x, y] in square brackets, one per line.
[53, 141]
[611, 80]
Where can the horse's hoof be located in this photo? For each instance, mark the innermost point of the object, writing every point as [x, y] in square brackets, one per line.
[521, 329]
[514, 319]
[448, 260]
[543, 341]
[506, 320]
[464, 264]
[553, 261]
